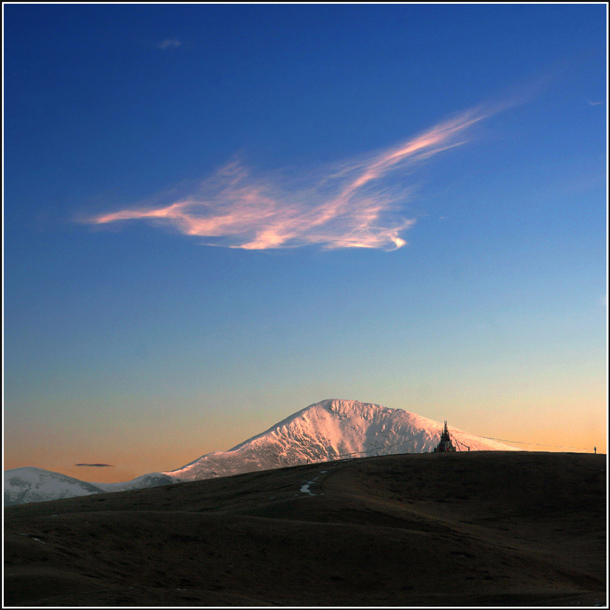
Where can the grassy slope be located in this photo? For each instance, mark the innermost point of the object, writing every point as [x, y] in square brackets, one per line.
[474, 528]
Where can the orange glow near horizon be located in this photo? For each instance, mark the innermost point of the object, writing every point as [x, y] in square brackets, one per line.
[136, 458]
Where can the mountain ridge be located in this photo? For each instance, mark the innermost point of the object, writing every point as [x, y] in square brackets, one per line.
[328, 430]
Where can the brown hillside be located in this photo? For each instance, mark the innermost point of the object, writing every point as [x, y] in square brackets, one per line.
[473, 528]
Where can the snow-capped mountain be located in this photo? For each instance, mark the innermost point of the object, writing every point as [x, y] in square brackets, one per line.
[30, 484]
[328, 430]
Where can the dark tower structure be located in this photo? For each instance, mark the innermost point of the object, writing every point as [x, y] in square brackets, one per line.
[445, 443]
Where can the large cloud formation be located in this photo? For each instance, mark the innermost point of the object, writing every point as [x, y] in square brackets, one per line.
[352, 205]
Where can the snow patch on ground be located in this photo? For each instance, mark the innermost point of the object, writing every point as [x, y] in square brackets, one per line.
[305, 488]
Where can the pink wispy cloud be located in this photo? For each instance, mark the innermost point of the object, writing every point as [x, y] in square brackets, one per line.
[354, 205]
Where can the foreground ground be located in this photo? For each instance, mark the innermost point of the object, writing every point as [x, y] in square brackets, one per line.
[473, 528]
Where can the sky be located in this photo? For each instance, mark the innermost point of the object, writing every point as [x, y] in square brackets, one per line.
[217, 215]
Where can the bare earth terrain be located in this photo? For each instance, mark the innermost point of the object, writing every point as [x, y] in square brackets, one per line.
[472, 528]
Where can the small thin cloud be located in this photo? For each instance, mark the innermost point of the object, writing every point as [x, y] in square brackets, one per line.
[354, 204]
[595, 103]
[169, 43]
[96, 465]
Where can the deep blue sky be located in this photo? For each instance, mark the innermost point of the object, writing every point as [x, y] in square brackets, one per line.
[135, 344]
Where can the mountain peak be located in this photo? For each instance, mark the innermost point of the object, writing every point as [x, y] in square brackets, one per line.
[331, 429]
[348, 407]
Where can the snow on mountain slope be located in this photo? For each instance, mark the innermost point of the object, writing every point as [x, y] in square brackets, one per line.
[328, 430]
[153, 479]
[30, 484]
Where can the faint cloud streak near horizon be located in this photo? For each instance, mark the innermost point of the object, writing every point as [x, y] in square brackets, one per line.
[96, 465]
[351, 205]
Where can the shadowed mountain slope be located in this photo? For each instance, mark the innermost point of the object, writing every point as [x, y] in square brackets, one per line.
[471, 528]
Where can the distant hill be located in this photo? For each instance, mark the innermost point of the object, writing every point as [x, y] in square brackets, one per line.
[30, 484]
[328, 430]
